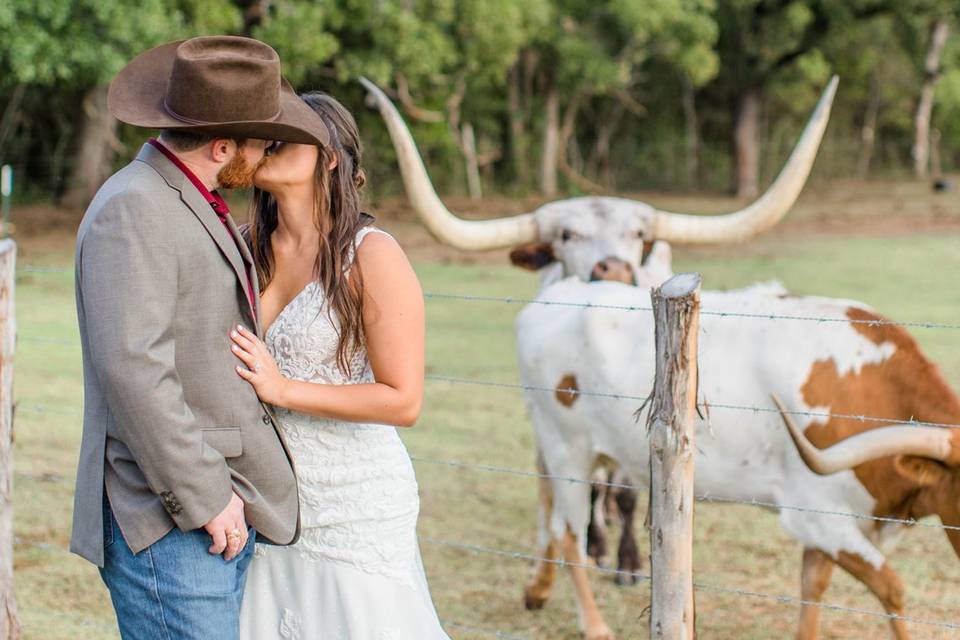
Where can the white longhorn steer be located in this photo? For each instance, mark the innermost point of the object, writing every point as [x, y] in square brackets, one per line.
[599, 237]
[853, 367]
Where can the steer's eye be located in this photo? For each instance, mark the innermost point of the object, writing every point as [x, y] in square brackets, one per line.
[566, 234]
[640, 234]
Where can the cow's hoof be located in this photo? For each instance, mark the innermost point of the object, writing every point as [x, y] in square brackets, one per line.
[600, 632]
[625, 579]
[534, 600]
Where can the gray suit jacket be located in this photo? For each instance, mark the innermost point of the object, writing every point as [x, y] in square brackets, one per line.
[169, 428]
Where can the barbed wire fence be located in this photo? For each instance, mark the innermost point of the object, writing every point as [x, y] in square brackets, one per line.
[479, 467]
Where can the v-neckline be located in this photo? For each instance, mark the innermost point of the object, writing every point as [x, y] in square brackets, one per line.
[273, 323]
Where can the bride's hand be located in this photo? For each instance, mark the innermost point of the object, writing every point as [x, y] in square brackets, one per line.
[261, 370]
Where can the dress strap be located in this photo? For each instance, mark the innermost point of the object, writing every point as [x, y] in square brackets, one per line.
[361, 234]
[369, 229]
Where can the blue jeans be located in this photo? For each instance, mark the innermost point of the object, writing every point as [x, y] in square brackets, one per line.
[174, 589]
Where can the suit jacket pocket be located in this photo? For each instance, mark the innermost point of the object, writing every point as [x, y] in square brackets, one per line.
[226, 440]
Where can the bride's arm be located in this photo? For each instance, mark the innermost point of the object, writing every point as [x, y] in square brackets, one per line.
[393, 322]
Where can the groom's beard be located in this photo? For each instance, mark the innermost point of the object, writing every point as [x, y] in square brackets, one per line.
[238, 173]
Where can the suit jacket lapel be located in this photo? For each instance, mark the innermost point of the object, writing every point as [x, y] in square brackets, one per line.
[250, 268]
[201, 208]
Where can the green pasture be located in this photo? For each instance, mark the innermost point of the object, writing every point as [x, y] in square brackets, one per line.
[911, 278]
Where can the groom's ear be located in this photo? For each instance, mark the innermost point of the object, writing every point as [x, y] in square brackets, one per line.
[220, 149]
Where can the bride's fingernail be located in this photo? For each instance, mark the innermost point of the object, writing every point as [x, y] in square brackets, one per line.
[233, 334]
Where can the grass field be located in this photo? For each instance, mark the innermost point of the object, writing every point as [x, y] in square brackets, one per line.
[908, 277]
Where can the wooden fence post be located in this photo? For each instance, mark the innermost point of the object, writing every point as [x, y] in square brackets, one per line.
[676, 312]
[9, 621]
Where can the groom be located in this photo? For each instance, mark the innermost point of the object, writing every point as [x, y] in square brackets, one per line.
[180, 464]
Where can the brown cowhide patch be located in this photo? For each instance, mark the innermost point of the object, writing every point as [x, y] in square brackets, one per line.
[903, 387]
[567, 390]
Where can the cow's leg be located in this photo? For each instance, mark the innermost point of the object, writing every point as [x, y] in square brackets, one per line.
[814, 580]
[628, 558]
[591, 622]
[610, 504]
[597, 529]
[884, 583]
[541, 581]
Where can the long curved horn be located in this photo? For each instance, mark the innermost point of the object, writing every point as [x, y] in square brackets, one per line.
[929, 442]
[767, 210]
[448, 228]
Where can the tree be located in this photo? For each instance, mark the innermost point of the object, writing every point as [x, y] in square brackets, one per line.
[593, 54]
[760, 41]
[74, 47]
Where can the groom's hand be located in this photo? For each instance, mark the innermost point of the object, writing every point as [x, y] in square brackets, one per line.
[228, 530]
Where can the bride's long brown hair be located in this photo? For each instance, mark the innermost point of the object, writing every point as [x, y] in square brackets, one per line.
[338, 217]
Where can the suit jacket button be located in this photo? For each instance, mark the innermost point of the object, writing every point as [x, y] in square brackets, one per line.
[265, 418]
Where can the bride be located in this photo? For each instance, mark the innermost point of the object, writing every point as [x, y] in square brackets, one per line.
[342, 359]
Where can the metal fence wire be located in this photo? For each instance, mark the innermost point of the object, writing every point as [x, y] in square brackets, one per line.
[464, 466]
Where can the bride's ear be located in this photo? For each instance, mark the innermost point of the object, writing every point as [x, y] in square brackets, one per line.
[334, 161]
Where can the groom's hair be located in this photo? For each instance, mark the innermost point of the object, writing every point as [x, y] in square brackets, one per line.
[186, 140]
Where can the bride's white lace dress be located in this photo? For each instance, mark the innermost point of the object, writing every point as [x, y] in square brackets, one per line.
[356, 572]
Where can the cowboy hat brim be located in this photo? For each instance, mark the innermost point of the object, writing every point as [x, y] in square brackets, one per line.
[136, 97]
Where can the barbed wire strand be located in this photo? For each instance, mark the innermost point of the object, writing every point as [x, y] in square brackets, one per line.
[623, 396]
[700, 586]
[45, 340]
[43, 269]
[705, 312]
[706, 405]
[44, 409]
[701, 497]
[636, 575]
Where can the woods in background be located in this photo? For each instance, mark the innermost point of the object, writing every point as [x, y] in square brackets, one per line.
[553, 96]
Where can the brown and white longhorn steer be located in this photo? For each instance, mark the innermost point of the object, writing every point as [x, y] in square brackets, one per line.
[910, 472]
[853, 366]
[570, 242]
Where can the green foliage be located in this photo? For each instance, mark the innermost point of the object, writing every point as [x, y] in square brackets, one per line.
[621, 66]
[76, 44]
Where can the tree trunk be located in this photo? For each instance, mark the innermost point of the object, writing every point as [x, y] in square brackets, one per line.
[94, 156]
[518, 133]
[746, 145]
[253, 15]
[470, 158]
[936, 166]
[868, 131]
[676, 312]
[568, 142]
[601, 147]
[692, 130]
[9, 621]
[921, 122]
[11, 115]
[551, 142]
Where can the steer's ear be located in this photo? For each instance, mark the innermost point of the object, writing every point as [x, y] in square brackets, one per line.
[532, 256]
[923, 471]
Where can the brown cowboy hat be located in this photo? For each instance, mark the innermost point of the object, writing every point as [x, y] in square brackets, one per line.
[221, 85]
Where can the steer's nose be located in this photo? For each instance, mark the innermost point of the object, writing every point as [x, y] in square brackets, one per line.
[614, 270]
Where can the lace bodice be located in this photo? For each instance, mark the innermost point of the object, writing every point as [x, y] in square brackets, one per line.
[303, 338]
[350, 474]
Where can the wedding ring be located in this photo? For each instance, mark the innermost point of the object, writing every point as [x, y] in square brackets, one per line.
[256, 367]
[236, 534]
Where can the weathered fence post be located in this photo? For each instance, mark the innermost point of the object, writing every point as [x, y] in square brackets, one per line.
[9, 621]
[676, 312]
